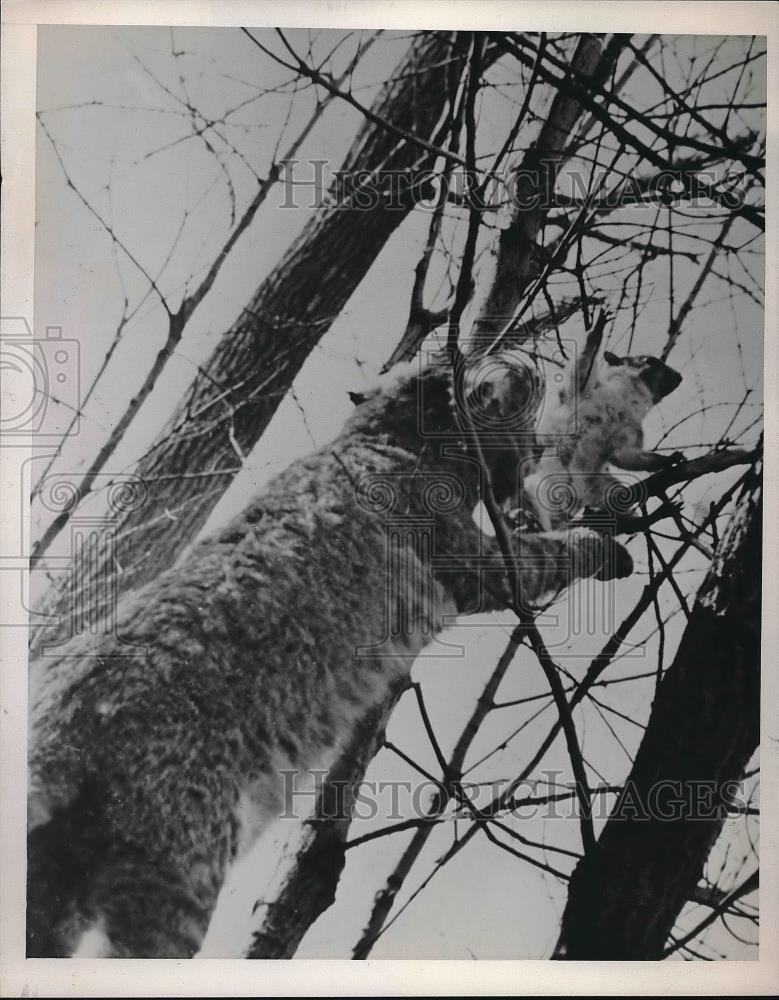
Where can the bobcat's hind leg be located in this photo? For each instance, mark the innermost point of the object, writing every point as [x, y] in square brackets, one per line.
[90, 895]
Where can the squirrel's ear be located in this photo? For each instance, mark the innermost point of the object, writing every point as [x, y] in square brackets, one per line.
[357, 397]
[612, 359]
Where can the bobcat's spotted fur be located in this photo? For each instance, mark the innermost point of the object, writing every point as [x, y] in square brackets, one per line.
[155, 757]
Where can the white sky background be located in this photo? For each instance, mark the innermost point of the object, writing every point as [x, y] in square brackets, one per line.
[164, 195]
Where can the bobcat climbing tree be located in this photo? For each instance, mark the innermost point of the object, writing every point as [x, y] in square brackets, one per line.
[546, 185]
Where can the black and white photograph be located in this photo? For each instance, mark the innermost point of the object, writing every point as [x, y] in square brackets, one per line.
[383, 433]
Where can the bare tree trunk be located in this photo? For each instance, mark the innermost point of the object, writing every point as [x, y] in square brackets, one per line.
[231, 402]
[534, 182]
[315, 867]
[626, 894]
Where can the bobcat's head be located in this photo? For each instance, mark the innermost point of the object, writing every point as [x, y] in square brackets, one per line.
[495, 398]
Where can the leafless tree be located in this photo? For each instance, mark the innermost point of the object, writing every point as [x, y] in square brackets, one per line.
[635, 167]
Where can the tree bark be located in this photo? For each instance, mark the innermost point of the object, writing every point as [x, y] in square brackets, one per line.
[627, 893]
[534, 183]
[310, 885]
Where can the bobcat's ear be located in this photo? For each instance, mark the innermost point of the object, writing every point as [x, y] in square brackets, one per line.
[360, 396]
[612, 359]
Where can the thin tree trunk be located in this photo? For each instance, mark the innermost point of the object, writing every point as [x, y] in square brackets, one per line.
[318, 859]
[626, 894]
[534, 183]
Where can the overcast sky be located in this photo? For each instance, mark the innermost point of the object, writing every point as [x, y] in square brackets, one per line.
[114, 100]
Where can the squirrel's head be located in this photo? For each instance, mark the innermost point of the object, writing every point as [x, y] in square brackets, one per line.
[659, 378]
